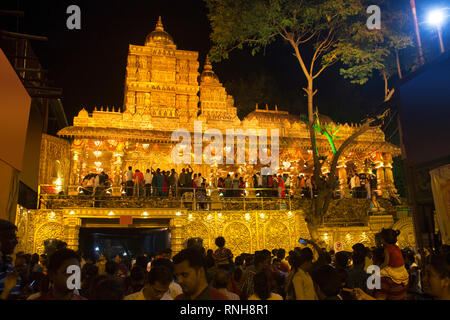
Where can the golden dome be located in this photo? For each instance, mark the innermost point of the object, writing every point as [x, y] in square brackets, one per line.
[208, 74]
[159, 36]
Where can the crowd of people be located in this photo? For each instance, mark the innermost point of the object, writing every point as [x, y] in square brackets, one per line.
[162, 183]
[308, 273]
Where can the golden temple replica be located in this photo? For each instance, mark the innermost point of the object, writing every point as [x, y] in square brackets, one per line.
[164, 92]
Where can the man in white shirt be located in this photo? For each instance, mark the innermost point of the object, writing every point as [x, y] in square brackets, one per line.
[355, 185]
[148, 177]
[158, 281]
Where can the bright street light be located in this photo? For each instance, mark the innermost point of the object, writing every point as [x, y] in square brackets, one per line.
[436, 17]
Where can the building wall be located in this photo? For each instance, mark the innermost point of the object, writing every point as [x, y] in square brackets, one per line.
[55, 160]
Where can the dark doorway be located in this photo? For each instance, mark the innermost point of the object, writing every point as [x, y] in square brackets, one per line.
[127, 242]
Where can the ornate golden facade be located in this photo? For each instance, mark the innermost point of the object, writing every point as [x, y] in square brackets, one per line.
[164, 92]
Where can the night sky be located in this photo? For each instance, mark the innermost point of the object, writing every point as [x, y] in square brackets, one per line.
[89, 64]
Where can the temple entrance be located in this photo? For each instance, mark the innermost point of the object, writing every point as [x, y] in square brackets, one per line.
[124, 240]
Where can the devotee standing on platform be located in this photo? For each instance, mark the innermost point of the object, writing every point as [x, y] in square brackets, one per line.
[182, 181]
[129, 181]
[235, 186]
[148, 177]
[228, 186]
[355, 185]
[173, 182]
[138, 179]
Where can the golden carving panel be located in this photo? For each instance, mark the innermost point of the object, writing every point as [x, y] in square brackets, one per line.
[238, 238]
[277, 235]
[50, 230]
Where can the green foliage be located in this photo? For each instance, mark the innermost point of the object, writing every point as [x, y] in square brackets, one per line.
[367, 51]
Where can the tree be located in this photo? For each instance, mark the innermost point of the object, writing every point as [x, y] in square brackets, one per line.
[368, 51]
[314, 30]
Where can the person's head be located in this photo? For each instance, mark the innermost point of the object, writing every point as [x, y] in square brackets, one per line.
[303, 259]
[281, 253]
[102, 257]
[274, 252]
[59, 261]
[389, 236]
[221, 279]
[34, 258]
[111, 268]
[260, 261]
[360, 248]
[148, 170]
[276, 263]
[195, 175]
[220, 242]
[88, 271]
[378, 256]
[190, 270]
[141, 260]
[327, 282]
[183, 170]
[164, 262]
[358, 258]
[235, 175]
[261, 285]
[436, 276]
[209, 252]
[341, 259]
[166, 253]
[130, 168]
[137, 276]
[239, 261]
[8, 239]
[117, 258]
[107, 288]
[158, 281]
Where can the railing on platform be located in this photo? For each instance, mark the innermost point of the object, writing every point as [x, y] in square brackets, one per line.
[210, 198]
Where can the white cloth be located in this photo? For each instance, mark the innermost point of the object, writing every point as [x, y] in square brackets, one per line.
[129, 175]
[174, 291]
[303, 286]
[148, 178]
[259, 180]
[355, 182]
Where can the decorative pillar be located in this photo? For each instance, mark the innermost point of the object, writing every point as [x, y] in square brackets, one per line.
[116, 168]
[71, 232]
[388, 175]
[176, 235]
[380, 174]
[75, 179]
[342, 173]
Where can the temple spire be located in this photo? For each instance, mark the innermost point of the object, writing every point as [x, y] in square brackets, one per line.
[208, 65]
[159, 25]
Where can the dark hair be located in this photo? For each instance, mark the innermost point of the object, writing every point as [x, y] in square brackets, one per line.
[276, 260]
[378, 256]
[259, 258]
[261, 285]
[220, 242]
[359, 247]
[193, 255]
[142, 261]
[5, 225]
[160, 274]
[328, 280]
[111, 267]
[129, 168]
[57, 259]
[341, 259]
[358, 258]
[281, 253]
[221, 279]
[137, 273]
[239, 261]
[274, 251]
[163, 262]
[389, 235]
[89, 270]
[107, 288]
